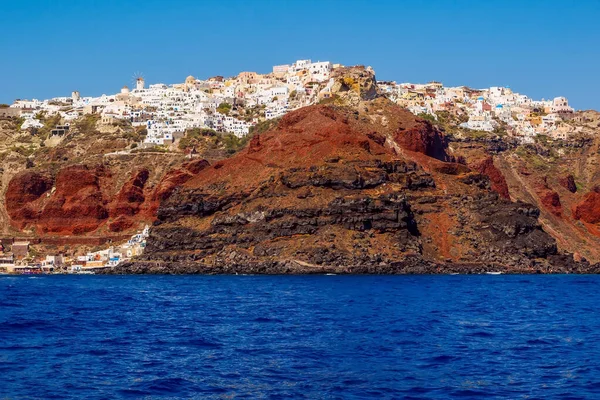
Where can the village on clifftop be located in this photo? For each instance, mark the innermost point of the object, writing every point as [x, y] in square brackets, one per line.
[167, 111]
[234, 105]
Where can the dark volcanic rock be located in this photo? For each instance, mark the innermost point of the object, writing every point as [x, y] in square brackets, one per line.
[568, 182]
[498, 181]
[323, 193]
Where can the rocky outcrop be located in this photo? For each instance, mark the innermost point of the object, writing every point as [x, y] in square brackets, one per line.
[551, 201]
[131, 196]
[128, 202]
[497, 180]
[77, 198]
[568, 182]
[82, 199]
[423, 138]
[513, 228]
[549, 198]
[588, 210]
[177, 177]
[23, 192]
[354, 84]
[69, 203]
[322, 192]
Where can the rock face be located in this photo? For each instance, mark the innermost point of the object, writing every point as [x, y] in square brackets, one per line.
[551, 200]
[331, 189]
[23, 190]
[77, 198]
[355, 84]
[423, 138]
[177, 177]
[128, 201]
[589, 208]
[83, 199]
[497, 180]
[568, 182]
[355, 184]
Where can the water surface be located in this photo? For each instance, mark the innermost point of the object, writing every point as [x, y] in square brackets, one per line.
[420, 337]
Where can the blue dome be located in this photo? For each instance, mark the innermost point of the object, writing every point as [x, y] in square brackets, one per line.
[480, 98]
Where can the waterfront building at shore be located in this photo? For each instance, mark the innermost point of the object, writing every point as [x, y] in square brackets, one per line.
[19, 260]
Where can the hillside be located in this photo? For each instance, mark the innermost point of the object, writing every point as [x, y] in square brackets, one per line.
[354, 184]
[92, 184]
[358, 185]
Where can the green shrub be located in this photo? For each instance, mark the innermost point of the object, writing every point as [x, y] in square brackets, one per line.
[136, 134]
[224, 108]
[264, 126]
[153, 149]
[22, 150]
[18, 122]
[233, 143]
[427, 117]
[193, 137]
[87, 124]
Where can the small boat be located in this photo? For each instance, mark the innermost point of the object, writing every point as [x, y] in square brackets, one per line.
[494, 273]
[330, 274]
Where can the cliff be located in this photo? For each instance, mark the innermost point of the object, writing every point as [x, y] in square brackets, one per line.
[359, 188]
[559, 177]
[355, 184]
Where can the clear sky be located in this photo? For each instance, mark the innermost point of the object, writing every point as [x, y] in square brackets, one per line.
[540, 48]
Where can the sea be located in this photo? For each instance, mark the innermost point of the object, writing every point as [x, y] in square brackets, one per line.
[300, 337]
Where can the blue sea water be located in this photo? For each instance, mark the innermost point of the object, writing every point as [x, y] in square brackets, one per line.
[346, 337]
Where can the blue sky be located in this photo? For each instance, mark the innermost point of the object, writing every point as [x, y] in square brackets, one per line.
[540, 48]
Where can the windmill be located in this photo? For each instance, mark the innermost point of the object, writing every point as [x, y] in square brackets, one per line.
[138, 81]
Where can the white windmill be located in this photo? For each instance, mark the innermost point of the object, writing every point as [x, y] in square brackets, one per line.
[138, 81]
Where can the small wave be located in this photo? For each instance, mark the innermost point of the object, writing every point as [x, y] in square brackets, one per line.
[264, 319]
[98, 352]
[17, 347]
[473, 324]
[134, 393]
[418, 390]
[354, 381]
[443, 359]
[4, 304]
[472, 393]
[119, 341]
[20, 325]
[481, 334]
[584, 282]
[534, 342]
[201, 343]
[253, 351]
[169, 385]
[593, 386]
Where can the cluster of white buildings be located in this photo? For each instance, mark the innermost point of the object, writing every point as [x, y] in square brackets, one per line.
[111, 256]
[486, 109]
[167, 111]
[19, 261]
